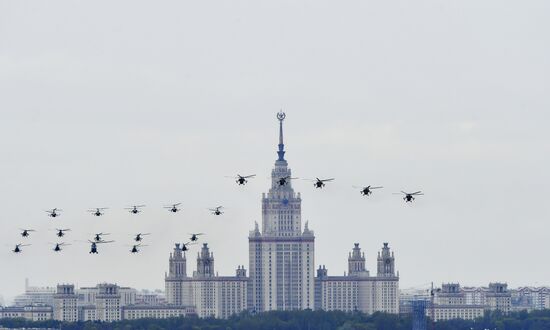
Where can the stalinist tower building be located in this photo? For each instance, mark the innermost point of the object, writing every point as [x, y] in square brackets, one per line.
[282, 253]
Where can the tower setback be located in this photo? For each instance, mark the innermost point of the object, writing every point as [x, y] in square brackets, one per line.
[281, 255]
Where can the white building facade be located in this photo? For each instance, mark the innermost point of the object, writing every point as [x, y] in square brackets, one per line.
[358, 291]
[452, 301]
[30, 313]
[207, 293]
[65, 307]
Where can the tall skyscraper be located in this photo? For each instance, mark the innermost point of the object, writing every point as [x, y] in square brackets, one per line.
[281, 255]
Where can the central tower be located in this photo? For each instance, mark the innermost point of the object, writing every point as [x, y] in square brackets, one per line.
[281, 255]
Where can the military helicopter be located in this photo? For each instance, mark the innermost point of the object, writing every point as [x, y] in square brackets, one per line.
[139, 237]
[98, 239]
[217, 210]
[173, 208]
[320, 183]
[135, 248]
[18, 247]
[93, 247]
[284, 180]
[409, 197]
[54, 212]
[184, 246]
[242, 180]
[25, 232]
[195, 237]
[58, 246]
[365, 191]
[97, 211]
[134, 209]
[61, 232]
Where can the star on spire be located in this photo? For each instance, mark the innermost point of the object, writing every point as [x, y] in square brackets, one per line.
[281, 116]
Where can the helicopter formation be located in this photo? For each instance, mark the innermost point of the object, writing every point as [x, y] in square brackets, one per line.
[98, 239]
[319, 184]
[240, 180]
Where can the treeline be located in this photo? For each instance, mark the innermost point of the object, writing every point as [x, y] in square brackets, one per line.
[303, 320]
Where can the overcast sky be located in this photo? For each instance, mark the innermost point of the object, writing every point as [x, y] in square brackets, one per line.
[113, 103]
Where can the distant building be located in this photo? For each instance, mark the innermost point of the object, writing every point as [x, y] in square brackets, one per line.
[31, 313]
[65, 306]
[35, 296]
[156, 312]
[152, 298]
[530, 298]
[498, 298]
[453, 301]
[358, 291]
[208, 293]
[458, 311]
[104, 302]
[88, 295]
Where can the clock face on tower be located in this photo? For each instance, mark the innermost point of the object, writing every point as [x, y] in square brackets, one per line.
[285, 202]
[388, 261]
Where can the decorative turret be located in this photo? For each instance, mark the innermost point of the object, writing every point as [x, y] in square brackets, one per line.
[205, 262]
[386, 262]
[322, 272]
[177, 263]
[356, 262]
[241, 271]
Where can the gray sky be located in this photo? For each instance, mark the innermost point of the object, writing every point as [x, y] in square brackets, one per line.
[114, 103]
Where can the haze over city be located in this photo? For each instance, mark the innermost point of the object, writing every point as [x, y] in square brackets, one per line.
[159, 107]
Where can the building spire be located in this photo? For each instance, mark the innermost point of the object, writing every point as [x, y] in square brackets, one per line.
[281, 116]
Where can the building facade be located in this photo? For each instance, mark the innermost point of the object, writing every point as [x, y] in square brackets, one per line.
[358, 291]
[104, 302]
[35, 296]
[530, 298]
[281, 256]
[155, 312]
[209, 295]
[65, 307]
[30, 313]
[453, 301]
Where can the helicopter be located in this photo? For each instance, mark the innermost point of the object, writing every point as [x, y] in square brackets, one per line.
[284, 180]
[93, 247]
[409, 197]
[98, 239]
[195, 237]
[54, 212]
[97, 211]
[61, 232]
[184, 246]
[25, 232]
[365, 191]
[135, 248]
[18, 247]
[139, 237]
[241, 180]
[217, 210]
[173, 208]
[134, 209]
[320, 183]
[58, 246]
